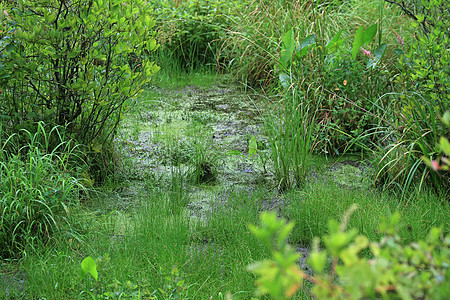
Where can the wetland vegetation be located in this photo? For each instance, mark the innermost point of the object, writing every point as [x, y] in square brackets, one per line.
[141, 142]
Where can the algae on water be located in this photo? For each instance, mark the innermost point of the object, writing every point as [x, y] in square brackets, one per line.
[349, 175]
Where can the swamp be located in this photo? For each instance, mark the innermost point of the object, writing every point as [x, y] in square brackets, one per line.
[210, 149]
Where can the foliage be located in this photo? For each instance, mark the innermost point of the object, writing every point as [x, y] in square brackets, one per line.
[88, 266]
[292, 46]
[417, 270]
[73, 64]
[115, 290]
[442, 163]
[252, 41]
[291, 140]
[280, 277]
[37, 189]
[342, 116]
[416, 128]
[204, 163]
[253, 150]
[190, 31]
[346, 91]
[174, 288]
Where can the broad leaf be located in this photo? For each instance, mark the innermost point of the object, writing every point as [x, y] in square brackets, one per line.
[335, 40]
[445, 145]
[285, 80]
[308, 41]
[288, 49]
[446, 118]
[399, 52]
[357, 42]
[378, 55]
[233, 152]
[88, 266]
[369, 33]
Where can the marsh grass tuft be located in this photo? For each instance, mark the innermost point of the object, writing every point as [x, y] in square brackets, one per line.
[37, 188]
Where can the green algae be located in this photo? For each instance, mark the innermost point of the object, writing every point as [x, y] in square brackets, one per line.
[187, 128]
[348, 175]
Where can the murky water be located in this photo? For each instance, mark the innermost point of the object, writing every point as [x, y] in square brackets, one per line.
[204, 135]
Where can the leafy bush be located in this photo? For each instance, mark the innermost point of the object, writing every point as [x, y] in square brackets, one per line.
[73, 64]
[293, 46]
[424, 76]
[417, 270]
[37, 191]
[339, 100]
[441, 163]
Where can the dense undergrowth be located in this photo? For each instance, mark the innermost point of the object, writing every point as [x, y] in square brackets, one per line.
[334, 78]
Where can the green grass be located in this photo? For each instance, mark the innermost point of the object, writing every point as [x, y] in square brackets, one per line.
[178, 78]
[39, 188]
[142, 246]
[322, 199]
[142, 240]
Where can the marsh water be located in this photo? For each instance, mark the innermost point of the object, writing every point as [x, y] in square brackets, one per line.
[201, 135]
[194, 141]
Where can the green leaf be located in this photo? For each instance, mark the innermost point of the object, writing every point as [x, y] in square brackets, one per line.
[152, 45]
[358, 41]
[284, 233]
[399, 52]
[308, 41]
[253, 147]
[288, 49]
[233, 152]
[317, 260]
[88, 266]
[425, 3]
[378, 55]
[446, 118]
[334, 41]
[427, 161]
[434, 235]
[445, 145]
[369, 33]
[285, 80]
[333, 227]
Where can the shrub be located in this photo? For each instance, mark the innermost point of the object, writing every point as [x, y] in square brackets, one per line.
[424, 76]
[347, 91]
[418, 270]
[73, 64]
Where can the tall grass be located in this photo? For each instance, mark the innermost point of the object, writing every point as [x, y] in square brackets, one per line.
[355, 107]
[421, 103]
[291, 139]
[38, 191]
